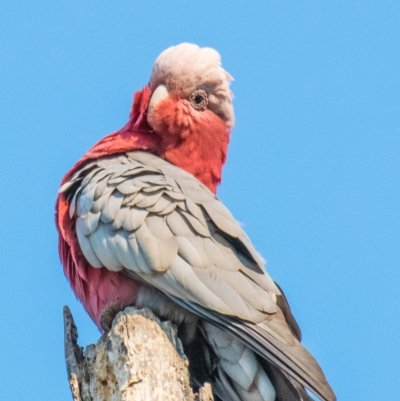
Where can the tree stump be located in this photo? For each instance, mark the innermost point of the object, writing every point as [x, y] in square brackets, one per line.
[139, 359]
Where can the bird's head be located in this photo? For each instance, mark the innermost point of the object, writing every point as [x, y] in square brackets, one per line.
[184, 115]
[189, 87]
[190, 110]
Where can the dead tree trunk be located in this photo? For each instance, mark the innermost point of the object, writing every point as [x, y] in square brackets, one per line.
[140, 359]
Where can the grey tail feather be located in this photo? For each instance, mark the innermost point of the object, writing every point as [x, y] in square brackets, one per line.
[286, 389]
[223, 388]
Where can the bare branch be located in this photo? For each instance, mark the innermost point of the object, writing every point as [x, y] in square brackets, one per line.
[140, 359]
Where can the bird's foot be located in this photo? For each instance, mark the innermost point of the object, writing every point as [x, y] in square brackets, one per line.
[109, 315]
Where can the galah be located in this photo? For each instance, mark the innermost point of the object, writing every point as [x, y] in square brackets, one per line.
[140, 224]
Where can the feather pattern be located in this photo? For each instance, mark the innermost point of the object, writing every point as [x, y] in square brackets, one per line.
[140, 214]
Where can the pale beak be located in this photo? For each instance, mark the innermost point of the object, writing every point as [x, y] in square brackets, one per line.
[159, 94]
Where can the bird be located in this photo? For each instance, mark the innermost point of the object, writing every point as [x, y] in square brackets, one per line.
[140, 224]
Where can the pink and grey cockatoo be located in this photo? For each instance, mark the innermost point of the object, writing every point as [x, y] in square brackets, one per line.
[140, 224]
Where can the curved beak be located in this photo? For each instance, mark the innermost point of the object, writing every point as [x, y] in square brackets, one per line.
[159, 94]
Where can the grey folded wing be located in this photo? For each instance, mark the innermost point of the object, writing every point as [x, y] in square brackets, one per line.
[138, 213]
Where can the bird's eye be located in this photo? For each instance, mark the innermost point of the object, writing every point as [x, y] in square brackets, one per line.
[199, 99]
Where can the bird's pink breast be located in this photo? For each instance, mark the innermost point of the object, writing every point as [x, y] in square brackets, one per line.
[96, 288]
[106, 289]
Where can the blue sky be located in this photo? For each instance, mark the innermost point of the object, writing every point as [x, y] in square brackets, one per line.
[313, 168]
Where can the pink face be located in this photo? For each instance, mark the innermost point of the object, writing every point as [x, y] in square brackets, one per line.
[176, 118]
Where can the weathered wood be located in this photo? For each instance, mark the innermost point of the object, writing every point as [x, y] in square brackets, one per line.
[140, 359]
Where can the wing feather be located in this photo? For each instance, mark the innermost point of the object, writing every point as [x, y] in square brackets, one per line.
[223, 219]
[111, 207]
[135, 218]
[191, 249]
[199, 228]
[103, 246]
[178, 225]
[87, 249]
[137, 254]
[159, 253]
[127, 187]
[124, 253]
[159, 206]
[100, 188]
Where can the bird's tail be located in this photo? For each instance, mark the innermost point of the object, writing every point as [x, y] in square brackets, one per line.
[241, 375]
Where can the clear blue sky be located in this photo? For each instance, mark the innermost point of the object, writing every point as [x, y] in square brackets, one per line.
[313, 169]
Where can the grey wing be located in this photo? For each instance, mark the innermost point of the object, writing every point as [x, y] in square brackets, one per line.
[140, 214]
